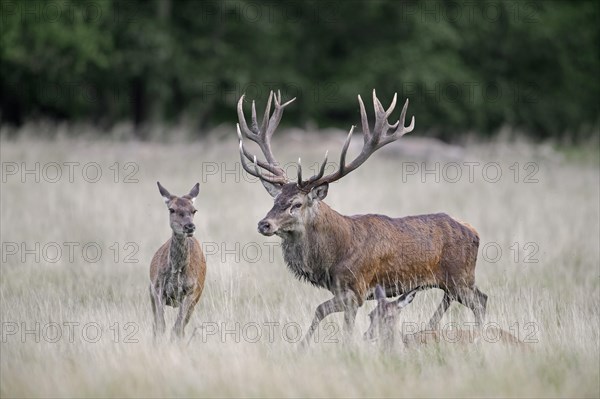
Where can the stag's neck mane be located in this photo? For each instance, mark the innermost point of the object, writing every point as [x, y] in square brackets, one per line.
[309, 253]
[179, 253]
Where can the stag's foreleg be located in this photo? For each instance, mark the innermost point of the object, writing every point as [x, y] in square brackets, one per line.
[345, 301]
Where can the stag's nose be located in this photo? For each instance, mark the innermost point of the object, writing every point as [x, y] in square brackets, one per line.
[265, 227]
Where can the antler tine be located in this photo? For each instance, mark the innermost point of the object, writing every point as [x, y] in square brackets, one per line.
[373, 140]
[270, 179]
[266, 116]
[254, 120]
[401, 130]
[276, 117]
[244, 165]
[321, 170]
[262, 135]
[299, 172]
[242, 120]
[316, 177]
[271, 168]
[364, 119]
[345, 150]
[256, 172]
[381, 118]
[402, 127]
[392, 106]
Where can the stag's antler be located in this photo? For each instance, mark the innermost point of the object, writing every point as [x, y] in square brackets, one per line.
[262, 136]
[373, 140]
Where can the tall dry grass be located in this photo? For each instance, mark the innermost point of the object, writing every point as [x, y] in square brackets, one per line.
[544, 284]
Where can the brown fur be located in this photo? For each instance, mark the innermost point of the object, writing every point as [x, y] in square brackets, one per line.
[350, 255]
[178, 268]
[384, 321]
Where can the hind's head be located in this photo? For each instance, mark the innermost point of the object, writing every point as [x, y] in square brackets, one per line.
[181, 210]
[384, 318]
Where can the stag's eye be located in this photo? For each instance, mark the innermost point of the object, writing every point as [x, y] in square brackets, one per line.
[295, 206]
[194, 212]
[171, 210]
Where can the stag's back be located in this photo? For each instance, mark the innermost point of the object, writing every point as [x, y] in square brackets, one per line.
[434, 249]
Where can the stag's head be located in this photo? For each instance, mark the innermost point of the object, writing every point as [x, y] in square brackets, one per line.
[384, 318]
[296, 202]
[181, 210]
[292, 207]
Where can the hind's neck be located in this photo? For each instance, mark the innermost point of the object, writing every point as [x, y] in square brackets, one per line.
[179, 253]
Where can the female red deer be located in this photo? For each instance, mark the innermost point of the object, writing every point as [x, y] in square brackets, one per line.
[178, 268]
[384, 327]
[350, 255]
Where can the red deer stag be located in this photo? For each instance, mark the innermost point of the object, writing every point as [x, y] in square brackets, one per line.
[384, 322]
[178, 268]
[350, 255]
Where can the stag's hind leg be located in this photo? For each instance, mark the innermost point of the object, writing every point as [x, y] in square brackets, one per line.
[439, 313]
[476, 300]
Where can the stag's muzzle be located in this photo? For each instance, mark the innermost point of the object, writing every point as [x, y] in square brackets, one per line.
[266, 228]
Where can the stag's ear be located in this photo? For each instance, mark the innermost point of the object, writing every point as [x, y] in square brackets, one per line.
[165, 194]
[193, 193]
[319, 192]
[406, 299]
[379, 293]
[273, 189]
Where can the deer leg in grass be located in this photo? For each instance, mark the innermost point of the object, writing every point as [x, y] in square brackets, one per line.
[344, 301]
[437, 316]
[323, 247]
[475, 300]
[158, 312]
[350, 318]
[183, 317]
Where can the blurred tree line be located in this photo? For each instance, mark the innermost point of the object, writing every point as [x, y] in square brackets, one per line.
[465, 65]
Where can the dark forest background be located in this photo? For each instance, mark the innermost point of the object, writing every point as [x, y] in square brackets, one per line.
[467, 66]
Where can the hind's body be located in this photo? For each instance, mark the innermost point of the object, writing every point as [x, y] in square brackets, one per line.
[178, 268]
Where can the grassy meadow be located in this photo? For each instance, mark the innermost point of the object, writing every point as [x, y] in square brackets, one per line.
[79, 231]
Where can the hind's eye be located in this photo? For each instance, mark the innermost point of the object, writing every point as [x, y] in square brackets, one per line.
[171, 210]
[194, 212]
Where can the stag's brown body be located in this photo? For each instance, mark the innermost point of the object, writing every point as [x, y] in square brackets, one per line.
[350, 255]
[359, 252]
[178, 268]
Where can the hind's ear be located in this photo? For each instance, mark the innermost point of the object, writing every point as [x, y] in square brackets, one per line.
[406, 299]
[165, 194]
[193, 193]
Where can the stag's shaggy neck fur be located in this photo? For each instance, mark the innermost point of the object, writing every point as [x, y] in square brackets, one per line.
[311, 251]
